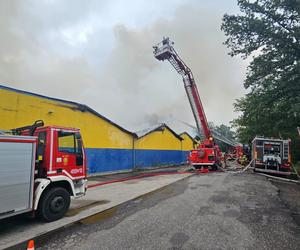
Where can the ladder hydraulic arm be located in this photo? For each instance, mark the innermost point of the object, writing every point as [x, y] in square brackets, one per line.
[165, 51]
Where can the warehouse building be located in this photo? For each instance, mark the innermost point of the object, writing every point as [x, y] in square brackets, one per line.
[109, 147]
[158, 145]
[188, 143]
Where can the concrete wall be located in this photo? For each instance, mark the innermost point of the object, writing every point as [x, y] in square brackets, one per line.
[109, 147]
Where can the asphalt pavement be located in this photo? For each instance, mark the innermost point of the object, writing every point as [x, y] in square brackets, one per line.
[15, 232]
[212, 211]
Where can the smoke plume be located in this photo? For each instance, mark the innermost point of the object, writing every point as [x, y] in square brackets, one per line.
[115, 72]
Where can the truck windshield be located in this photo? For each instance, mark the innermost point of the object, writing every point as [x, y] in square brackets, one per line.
[271, 149]
[66, 142]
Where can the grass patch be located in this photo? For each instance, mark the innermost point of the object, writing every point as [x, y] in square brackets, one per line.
[297, 167]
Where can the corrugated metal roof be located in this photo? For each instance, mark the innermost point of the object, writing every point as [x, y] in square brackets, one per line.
[180, 126]
[186, 133]
[157, 127]
[79, 106]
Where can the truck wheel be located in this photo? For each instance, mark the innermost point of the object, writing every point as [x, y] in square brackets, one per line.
[54, 204]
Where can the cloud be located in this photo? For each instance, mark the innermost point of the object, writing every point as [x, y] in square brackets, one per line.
[150, 91]
[101, 55]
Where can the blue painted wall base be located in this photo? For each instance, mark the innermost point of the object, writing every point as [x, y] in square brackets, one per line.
[153, 158]
[109, 160]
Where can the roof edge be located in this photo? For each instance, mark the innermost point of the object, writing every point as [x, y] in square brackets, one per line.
[188, 136]
[81, 107]
[159, 127]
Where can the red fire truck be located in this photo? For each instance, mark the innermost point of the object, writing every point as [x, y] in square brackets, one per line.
[271, 155]
[208, 153]
[41, 168]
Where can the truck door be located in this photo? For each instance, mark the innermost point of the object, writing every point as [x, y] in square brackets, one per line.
[69, 154]
[42, 158]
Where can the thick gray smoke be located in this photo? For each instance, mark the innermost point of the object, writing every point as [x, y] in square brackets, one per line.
[125, 82]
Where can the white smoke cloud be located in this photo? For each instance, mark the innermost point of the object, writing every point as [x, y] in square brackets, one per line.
[98, 55]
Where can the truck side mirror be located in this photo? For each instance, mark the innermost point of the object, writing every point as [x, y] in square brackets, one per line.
[79, 153]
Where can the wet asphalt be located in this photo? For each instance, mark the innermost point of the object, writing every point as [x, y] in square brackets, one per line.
[213, 211]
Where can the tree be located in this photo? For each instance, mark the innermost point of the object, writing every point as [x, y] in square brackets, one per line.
[225, 132]
[268, 31]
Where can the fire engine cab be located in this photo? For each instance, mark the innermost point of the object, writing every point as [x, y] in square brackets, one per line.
[41, 168]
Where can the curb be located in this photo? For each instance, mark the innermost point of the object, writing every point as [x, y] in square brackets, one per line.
[21, 244]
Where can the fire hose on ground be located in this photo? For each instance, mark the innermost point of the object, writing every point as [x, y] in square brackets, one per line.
[143, 175]
[185, 171]
[266, 175]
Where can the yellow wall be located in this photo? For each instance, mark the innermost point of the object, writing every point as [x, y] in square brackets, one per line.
[18, 109]
[159, 140]
[187, 143]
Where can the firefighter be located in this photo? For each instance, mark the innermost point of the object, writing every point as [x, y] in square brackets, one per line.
[243, 160]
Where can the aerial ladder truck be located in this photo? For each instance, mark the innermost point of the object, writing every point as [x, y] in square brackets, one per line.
[208, 153]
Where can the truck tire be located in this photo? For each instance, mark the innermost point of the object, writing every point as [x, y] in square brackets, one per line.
[54, 204]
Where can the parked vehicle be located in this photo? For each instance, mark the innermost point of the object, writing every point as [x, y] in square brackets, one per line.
[271, 155]
[41, 168]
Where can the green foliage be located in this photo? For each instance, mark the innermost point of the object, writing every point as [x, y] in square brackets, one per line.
[225, 131]
[268, 31]
[297, 166]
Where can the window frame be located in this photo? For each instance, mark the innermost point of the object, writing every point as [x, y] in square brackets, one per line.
[67, 133]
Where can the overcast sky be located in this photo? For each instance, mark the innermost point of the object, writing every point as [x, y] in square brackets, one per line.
[99, 53]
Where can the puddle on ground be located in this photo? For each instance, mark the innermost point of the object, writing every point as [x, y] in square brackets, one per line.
[75, 211]
[167, 190]
[100, 216]
[178, 240]
[206, 210]
[204, 185]
[232, 213]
